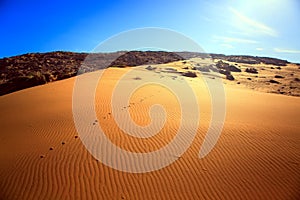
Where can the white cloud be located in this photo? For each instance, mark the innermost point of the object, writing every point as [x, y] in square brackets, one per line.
[279, 50]
[251, 26]
[259, 49]
[233, 40]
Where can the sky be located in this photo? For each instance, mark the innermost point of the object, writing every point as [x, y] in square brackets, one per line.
[233, 27]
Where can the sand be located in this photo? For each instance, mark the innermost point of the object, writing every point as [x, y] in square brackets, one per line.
[41, 156]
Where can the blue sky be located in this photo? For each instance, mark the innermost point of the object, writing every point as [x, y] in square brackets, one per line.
[255, 27]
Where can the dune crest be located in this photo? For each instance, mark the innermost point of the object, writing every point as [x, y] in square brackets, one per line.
[256, 157]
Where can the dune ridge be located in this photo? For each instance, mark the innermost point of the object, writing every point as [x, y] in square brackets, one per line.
[256, 157]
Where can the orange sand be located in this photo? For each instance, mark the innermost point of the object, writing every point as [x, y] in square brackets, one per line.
[256, 157]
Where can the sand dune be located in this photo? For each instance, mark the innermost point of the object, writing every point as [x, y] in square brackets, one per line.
[256, 157]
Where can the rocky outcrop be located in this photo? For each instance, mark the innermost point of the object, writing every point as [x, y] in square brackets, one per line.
[236, 58]
[226, 69]
[251, 70]
[251, 59]
[33, 69]
[233, 68]
[136, 58]
[229, 77]
[150, 68]
[189, 74]
[28, 70]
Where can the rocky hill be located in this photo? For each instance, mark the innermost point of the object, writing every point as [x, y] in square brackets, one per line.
[28, 70]
[237, 58]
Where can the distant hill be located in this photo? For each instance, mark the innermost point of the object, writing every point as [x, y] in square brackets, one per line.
[32, 69]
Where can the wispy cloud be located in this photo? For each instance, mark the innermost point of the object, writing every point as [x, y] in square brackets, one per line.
[251, 26]
[233, 40]
[279, 50]
[259, 49]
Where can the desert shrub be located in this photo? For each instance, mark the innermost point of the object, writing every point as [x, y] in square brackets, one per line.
[296, 79]
[137, 78]
[273, 81]
[278, 76]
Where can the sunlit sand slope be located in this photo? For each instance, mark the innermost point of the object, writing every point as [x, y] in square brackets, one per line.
[42, 157]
